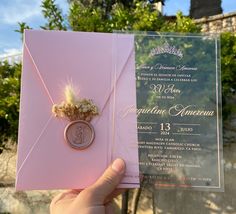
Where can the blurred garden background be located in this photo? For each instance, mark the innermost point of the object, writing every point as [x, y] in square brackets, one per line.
[213, 16]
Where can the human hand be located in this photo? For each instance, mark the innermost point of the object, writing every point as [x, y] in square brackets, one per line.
[96, 199]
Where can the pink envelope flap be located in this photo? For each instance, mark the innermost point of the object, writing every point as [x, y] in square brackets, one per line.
[53, 59]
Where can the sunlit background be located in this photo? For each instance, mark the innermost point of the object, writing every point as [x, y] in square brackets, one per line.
[29, 11]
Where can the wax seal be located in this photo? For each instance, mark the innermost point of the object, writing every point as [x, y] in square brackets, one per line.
[79, 134]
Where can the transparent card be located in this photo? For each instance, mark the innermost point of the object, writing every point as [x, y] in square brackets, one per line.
[178, 108]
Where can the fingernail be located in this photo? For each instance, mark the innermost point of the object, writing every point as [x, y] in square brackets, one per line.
[118, 165]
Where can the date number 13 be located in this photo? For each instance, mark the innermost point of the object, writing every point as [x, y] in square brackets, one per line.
[165, 128]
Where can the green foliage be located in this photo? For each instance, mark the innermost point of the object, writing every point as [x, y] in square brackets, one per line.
[228, 67]
[182, 24]
[121, 18]
[9, 100]
[87, 18]
[107, 5]
[140, 16]
[53, 14]
[145, 18]
[22, 27]
[228, 62]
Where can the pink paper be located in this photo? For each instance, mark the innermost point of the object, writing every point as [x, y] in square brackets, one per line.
[101, 67]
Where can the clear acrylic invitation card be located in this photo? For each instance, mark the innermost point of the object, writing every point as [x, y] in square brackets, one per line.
[178, 110]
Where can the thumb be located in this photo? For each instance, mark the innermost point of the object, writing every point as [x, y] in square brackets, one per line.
[107, 183]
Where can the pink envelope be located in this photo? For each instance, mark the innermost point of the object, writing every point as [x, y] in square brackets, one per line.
[101, 66]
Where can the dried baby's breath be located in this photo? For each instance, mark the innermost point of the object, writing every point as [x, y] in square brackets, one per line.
[74, 108]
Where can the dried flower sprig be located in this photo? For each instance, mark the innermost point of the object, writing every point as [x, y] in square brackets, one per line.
[74, 108]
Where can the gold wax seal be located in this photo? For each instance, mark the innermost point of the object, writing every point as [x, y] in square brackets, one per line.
[79, 133]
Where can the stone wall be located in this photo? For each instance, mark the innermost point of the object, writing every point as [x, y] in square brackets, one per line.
[218, 23]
